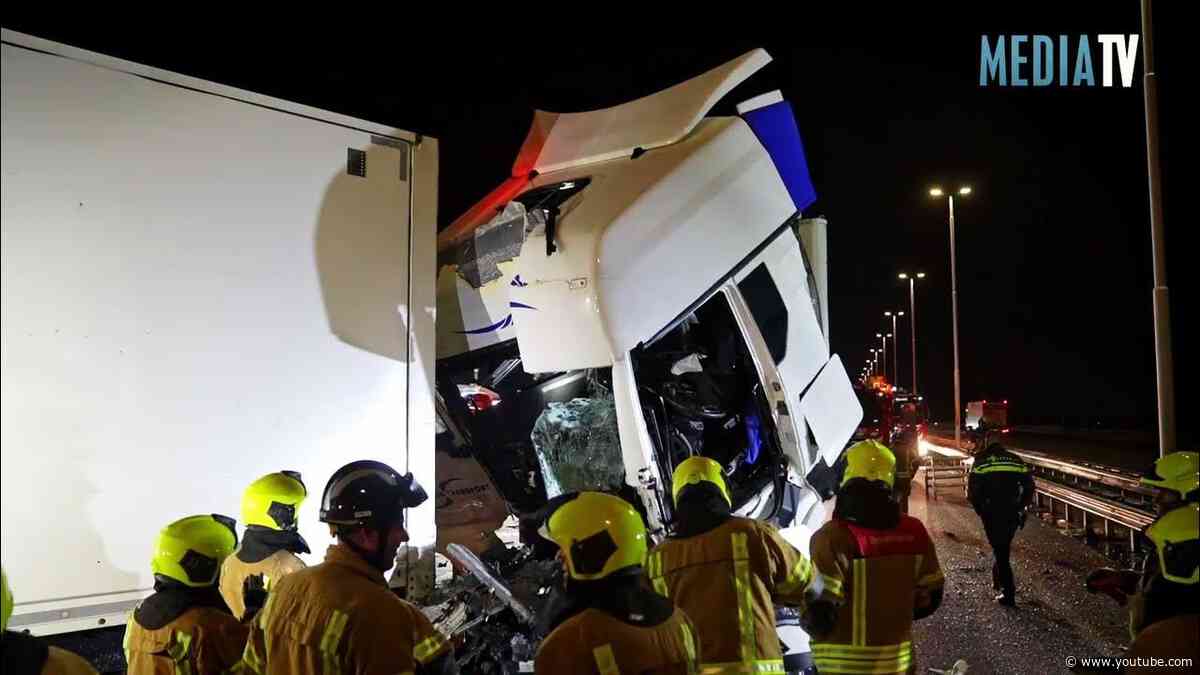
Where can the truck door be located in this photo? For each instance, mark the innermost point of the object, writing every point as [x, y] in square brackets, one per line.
[812, 397]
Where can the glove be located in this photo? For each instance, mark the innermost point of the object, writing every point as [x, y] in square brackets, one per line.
[1116, 584]
[254, 595]
[819, 618]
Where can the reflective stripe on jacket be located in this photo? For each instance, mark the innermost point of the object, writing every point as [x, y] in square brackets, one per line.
[202, 640]
[727, 580]
[883, 576]
[339, 617]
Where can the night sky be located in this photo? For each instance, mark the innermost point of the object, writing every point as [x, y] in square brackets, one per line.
[1053, 247]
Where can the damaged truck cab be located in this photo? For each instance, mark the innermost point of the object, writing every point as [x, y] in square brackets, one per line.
[643, 289]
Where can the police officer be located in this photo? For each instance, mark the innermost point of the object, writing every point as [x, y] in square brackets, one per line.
[24, 654]
[270, 545]
[185, 626]
[1000, 489]
[881, 563]
[727, 574]
[615, 623]
[340, 616]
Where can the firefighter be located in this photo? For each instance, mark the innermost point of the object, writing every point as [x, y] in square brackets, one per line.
[907, 456]
[269, 547]
[881, 563]
[185, 626]
[1000, 490]
[1172, 619]
[615, 623]
[1176, 477]
[727, 573]
[24, 654]
[340, 616]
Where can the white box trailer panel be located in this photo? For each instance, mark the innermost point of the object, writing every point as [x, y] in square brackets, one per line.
[196, 291]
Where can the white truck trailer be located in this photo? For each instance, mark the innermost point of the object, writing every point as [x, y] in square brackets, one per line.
[200, 285]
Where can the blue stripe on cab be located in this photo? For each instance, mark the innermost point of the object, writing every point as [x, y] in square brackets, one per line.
[775, 127]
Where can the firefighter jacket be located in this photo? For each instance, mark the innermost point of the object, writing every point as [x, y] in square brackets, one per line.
[886, 577]
[1158, 599]
[340, 617]
[25, 654]
[1173, 638]
[597, 641]
[63, 662]
[235, 571]
[727, 580]
[182, 631]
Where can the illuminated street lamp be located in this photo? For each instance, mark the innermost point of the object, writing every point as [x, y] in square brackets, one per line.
[938, 193]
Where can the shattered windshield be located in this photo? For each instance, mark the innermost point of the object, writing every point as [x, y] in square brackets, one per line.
[578, 446]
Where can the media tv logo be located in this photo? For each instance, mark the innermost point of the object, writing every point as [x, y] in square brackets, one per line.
[1042, 61]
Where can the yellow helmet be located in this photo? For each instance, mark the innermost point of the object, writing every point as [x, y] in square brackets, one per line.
[871, 460]
[272, 501]
[1176, 536]
[599, 534]
[695, 470]
[1176, 471]
[6, 602]
[190, 550]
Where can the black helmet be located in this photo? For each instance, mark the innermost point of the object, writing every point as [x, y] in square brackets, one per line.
[369, 493]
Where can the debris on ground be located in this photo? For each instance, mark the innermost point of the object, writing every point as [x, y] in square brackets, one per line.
[490, 638]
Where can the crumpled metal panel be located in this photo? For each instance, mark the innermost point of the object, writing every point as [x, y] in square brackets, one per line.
[499, 240]
[578, 446]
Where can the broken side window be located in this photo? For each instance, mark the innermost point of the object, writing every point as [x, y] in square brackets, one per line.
[701, 394]
[770, 313]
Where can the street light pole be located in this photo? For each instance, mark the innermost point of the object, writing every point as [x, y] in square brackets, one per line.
[954, 311]
[883, 354]
[912, 320]
[1163, 360]
[937, 192]
[892, 337]
[895, 347]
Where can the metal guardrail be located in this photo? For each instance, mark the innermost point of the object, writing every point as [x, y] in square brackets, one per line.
[1109, 511]
[1075, 485]
[944, 474]
[1122, 480]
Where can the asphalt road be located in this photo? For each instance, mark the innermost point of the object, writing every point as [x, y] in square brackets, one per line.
[1055, 617]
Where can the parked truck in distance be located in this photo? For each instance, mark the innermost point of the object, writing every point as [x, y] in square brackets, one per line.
[992, 415]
